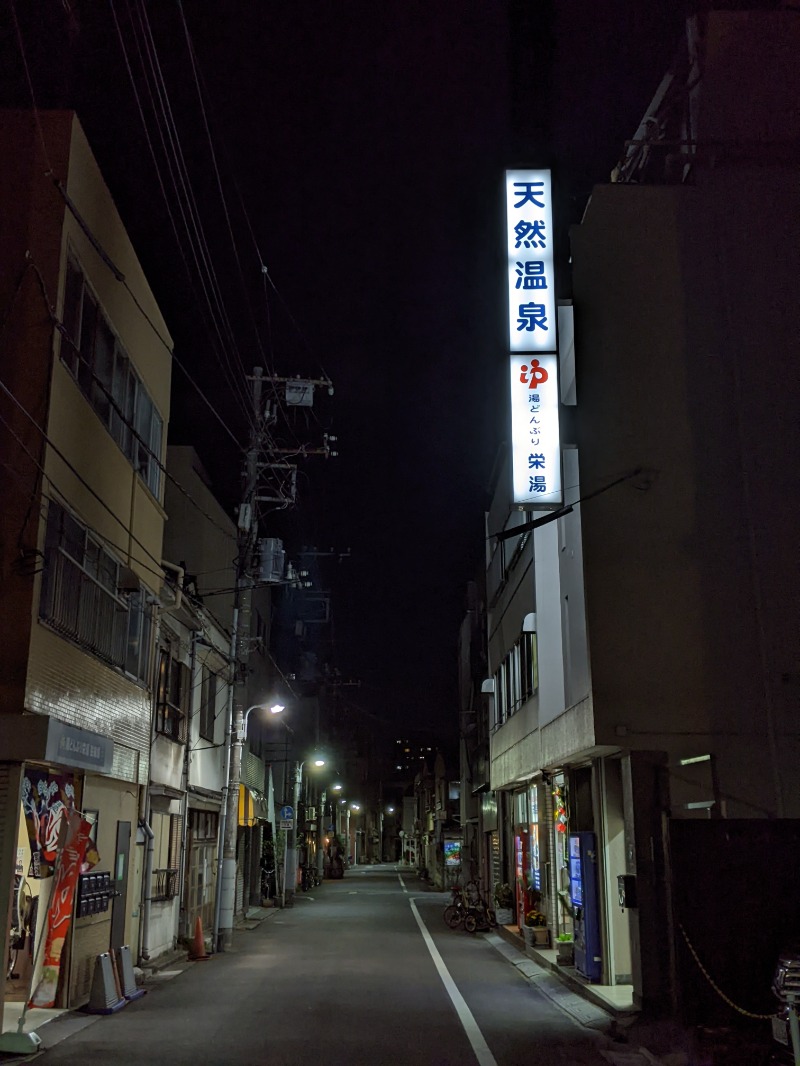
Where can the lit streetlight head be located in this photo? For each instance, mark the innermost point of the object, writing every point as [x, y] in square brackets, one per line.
[276, 708]
[319, 762]
[336, 788]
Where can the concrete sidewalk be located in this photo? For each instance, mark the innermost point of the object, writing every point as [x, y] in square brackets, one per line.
[54, 1026]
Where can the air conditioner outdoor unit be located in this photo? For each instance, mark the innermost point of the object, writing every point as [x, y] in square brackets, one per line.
[311, 814]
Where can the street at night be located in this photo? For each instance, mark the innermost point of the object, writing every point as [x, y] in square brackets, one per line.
[359, 971]
[398, 455]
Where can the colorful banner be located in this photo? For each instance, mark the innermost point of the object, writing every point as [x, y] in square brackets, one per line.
[76, 832]
[46, 799]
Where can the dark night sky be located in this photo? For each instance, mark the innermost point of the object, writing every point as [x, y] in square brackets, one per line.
[368, 142]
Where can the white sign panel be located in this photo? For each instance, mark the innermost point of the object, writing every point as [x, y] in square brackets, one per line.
[531, 280]
[536, 450]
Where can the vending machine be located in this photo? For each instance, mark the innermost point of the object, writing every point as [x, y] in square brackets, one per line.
[586, 904]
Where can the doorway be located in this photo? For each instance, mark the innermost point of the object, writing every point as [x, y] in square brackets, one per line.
[119, 907]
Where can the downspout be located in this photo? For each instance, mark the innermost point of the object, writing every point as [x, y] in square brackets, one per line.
[144, 951]
[144, 825]
[180, 574]
[182, 921]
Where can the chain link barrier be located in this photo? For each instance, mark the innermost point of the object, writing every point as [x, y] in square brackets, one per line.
[715, 986]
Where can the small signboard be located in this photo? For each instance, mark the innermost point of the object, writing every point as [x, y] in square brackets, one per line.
[452, 852]
[287, 813]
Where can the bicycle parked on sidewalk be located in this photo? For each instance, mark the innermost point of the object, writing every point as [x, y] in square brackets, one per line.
[469, 908]
[456, 909]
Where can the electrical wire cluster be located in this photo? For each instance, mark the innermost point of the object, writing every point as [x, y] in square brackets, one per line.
[279, 449]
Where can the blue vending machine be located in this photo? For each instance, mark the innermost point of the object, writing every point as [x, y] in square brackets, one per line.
[584, 895]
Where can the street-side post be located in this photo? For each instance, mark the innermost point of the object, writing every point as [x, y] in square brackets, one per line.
[291, 858]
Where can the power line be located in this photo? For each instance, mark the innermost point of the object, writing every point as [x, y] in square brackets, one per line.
[59, 326]
[89, 233]
[184, 196]
[71, 468]
[193, 58]
[526, 527]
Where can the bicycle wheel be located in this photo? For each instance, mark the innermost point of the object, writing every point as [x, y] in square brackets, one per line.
[470, 923]
[453, 916]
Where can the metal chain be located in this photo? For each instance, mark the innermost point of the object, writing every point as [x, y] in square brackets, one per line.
[715, 986]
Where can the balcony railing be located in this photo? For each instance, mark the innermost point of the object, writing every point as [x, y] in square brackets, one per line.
[165, 884]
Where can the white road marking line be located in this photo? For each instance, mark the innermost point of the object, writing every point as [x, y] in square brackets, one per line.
[402, 884]
[465, 1015]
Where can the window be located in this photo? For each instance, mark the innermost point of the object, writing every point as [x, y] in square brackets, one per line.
[172, 697]
[168, 833]
[208, 706]
[517, 679]
[104, 374]
[80, 597]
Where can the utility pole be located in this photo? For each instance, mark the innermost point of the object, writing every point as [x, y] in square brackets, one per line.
[240, 633]
[281, 488]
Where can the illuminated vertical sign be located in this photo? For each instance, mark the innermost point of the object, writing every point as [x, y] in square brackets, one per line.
[531, 283]
[533, 340]
[536, 448]
[536, 863]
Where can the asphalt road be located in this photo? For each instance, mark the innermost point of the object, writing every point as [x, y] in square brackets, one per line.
[360, 972]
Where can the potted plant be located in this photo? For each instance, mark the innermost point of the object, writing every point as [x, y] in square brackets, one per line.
[503, 903]
[535, 929]
[565, 949]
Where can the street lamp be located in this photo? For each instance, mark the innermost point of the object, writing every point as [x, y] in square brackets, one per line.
[276, 708]
[322, 824]
[229, 824]
[355, 808]
[291, 851]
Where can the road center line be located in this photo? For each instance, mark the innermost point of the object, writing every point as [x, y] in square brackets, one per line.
[402, 884]
[465, 1015]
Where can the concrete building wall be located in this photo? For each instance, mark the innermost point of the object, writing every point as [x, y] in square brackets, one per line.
[141, 328]
[77, 688]
[685, 641]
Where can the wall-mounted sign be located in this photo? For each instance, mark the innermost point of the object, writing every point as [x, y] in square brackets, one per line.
[71, 746]
[531, 281]
[452, 852]
[536, 450]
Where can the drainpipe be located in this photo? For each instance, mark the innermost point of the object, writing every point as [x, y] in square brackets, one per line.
[144, 933]
[180, 574]
[183, 923]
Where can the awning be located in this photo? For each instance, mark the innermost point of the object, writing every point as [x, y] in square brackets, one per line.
[253, 806]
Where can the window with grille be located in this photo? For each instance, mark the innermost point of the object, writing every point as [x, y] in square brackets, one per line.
[168, 834]
[172, 696]
[103, 371]
[208, 706]
[80, 596]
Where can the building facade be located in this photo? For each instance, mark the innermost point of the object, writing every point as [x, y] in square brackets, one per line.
[85, 406]
[640, 656]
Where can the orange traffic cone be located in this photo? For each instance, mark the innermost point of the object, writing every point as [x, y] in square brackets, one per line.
[198, 952]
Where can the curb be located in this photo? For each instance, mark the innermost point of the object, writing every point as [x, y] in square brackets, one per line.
[568, 995]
